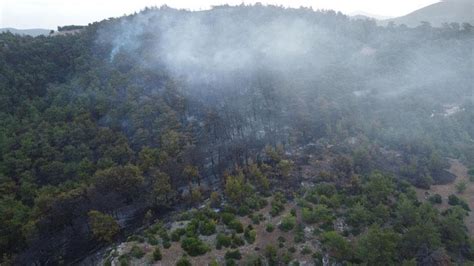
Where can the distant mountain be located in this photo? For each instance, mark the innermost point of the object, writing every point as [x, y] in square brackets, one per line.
[443, 12]
[365, 15]
[31, 32]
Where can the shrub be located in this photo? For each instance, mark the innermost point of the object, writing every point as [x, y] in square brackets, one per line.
[124, 260]
[250, 234]
[233, 254]
[192, 228]
[230, 262]
[183, 262]
[288, 223]
[320, 213]
[287, 258]
[471, 174]
[166, 244]
[236, 225]
[435, 199]
[299, 234]
[461, 186]
[136, 252]
[215, 199]
[208, 228]
[270, 228]
[255, 218]
[227, 217]
[237, 241]
[157, 254]
[278, 204]
[336, 245]
[223, 241]
[177, 234]
[194, 246]
[293, 212]
[277, 207]
[454, 200]
[271, 254]
[103, 226]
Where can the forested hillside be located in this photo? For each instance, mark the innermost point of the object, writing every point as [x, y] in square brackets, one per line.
[103, 131]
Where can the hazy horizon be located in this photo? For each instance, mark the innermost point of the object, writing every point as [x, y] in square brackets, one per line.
[49, 14]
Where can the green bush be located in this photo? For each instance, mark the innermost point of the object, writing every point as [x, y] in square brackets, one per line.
[277, 207]
[255, 218]
[223, 241]
[286, 258]
[454, 200]
[299, 234]
[164, 234]
[183, 262]
[236, 225]
[435, 199]
[270, 228]
[194, 246]
[152, 240]
[230, 262]
[207, 228]
[192, 228]
[271, 254]
[166, 244]
[250, 234]
[124, 260]
[137, 238]
[227, 217]
[157, 254]
[288, 223]
[320, 213]
[137, 252]
[471, 174]
[293, 212]
[177, 234]
[237, 241]
[461, 186]
[233, 254]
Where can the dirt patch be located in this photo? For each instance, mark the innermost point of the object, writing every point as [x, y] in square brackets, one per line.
[460, 171]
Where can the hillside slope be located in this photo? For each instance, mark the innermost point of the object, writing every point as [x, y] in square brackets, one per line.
[31, 32]
[459, 11]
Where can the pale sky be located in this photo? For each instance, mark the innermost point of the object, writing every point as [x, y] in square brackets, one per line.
[24, 14]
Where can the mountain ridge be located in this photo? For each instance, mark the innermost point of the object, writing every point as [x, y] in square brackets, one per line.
[458, 11]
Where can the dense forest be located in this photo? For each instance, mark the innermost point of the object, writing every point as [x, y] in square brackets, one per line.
[107, 129]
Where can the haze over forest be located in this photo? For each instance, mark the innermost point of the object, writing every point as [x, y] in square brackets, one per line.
[249, 135]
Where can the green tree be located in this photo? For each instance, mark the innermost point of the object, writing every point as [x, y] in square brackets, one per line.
[421, 236]
[194, 246]
[162, 190]
[236, 189]
[125, 180]
[378, 246]
[336, 245]
[103, 226]
[379, 188]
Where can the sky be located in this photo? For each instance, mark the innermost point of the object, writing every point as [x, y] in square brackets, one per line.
[48, 14]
